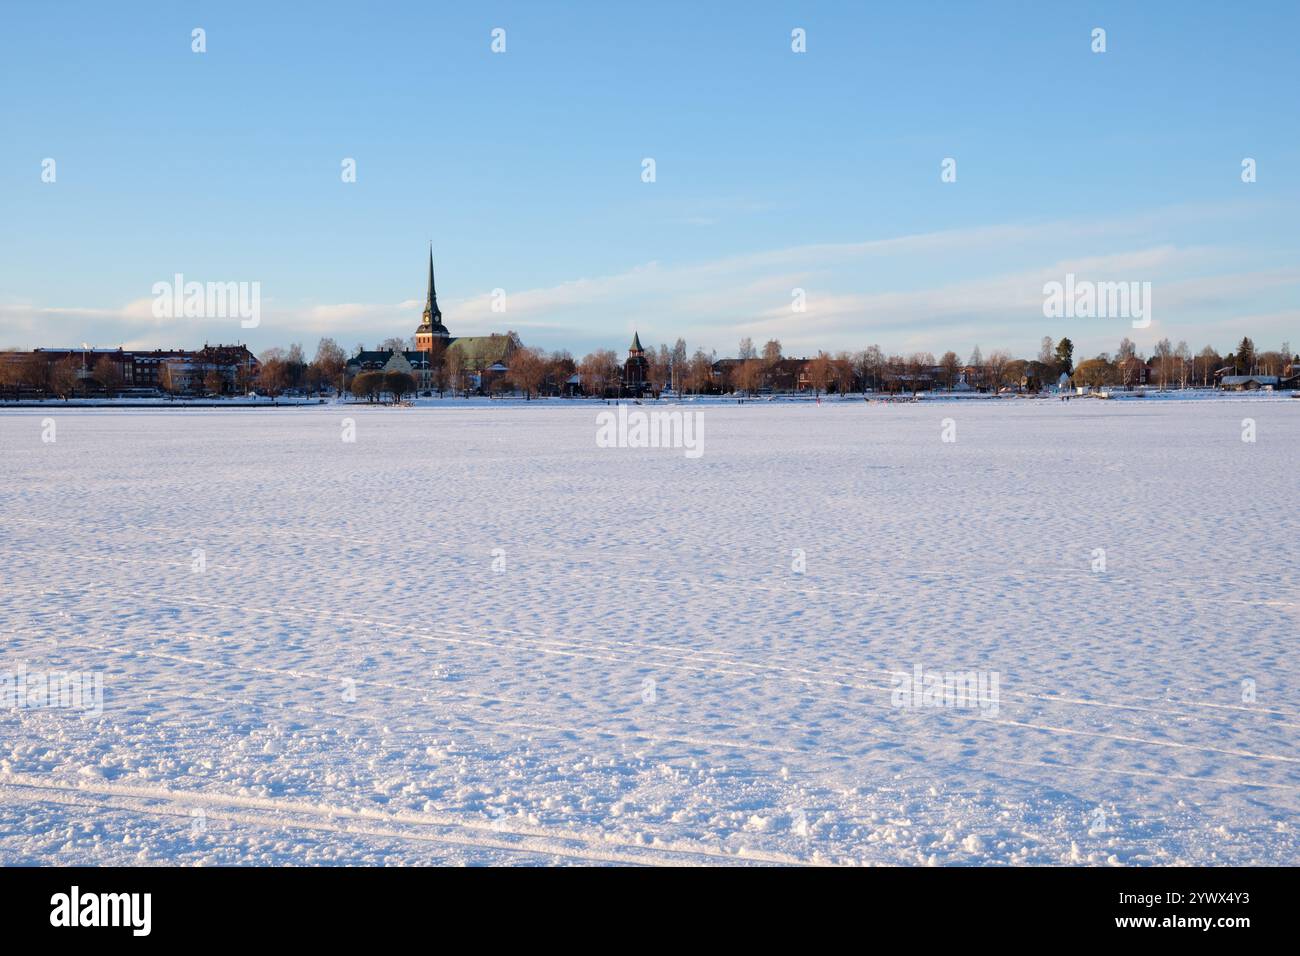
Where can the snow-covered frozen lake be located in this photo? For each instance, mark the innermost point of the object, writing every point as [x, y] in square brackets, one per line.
[473, 636]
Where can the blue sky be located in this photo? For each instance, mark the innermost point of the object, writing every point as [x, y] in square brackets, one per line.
[775, 170]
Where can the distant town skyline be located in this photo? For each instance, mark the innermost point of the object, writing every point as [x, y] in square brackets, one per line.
[774, 171]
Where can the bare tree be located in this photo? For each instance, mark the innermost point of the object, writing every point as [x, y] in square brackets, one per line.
[63, 377]
[1130, 371]
[1129, 364]
[842, 366]
[435, 356]
[893, 372]
[35, 373]
[527, 369]
[862, 368]
[599, 370]
[1016, 374]
[872, 362]
[108, 374]
[997, 367]
[819, 372]
[748, 375]
[660, 365]
[951, 366]
[1163, 356]
[273, 376]
[1272, 363]
[1047, 351]
[559, 368]
[1183, 363]
[452, 375]
[295, 366]
[700, 372]
[1207, 363]
[244, 377]
[10, 371]
[168, 380]
[914, 365]
[678, 369]
[771, 356]
[327, 367]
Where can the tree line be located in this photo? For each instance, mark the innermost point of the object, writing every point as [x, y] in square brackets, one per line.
[535, 372]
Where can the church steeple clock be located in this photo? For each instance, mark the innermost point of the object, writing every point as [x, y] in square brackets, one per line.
[431, 327]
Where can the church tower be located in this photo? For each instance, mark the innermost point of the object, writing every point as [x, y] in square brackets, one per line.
[636, 369]
[431, 327]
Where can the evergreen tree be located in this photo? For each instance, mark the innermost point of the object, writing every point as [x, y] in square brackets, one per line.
[1065, 355]
[1245, 356]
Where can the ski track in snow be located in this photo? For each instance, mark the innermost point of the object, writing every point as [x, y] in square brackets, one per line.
[499, 715]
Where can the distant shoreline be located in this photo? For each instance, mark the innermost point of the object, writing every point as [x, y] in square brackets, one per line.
[1175, 395]
[55, 403]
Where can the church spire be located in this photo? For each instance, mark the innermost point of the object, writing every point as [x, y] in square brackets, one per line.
[432, 326]
[431, 298]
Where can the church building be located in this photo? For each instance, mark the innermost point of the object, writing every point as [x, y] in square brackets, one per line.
[482, 359]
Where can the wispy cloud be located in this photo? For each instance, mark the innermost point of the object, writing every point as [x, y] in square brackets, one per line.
[948, 288]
